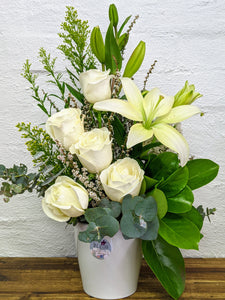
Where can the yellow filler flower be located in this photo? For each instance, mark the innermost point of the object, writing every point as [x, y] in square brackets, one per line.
[153, 112]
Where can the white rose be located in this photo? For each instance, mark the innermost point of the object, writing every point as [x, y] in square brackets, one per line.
[121, 178]
[94, 149]
[65, 126]
[95, 85]
[65, 199]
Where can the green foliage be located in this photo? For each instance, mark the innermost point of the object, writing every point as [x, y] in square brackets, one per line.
[162, 204]
[207, 212]
[201, 172]
[75, 41]
[181, 202]
[113, 58]
[100, 223]
[139, 219]
[175, 183]
[179, 231]
[31, 78]
[115, 207]
[17, 181]
[119, 131]
[167, 264]
[49, 66]
[45, 155]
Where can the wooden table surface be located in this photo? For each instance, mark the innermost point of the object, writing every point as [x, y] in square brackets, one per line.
[59, 278]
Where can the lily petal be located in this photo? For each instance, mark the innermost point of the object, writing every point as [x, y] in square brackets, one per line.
[150, 101]
[121, 107]
[132, 93]
[164, 106]
[180, 113]
[172, 139]
[138, 134]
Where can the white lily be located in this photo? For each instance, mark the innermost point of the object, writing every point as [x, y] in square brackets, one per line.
[155, 112]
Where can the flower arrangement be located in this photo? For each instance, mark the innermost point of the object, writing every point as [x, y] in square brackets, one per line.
[112, 156]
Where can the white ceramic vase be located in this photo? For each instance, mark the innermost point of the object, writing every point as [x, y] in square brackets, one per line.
[110, 269]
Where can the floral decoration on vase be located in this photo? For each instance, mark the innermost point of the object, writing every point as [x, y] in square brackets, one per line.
[111, 154]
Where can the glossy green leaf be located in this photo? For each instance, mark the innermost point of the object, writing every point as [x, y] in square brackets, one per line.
[163, 165]
[182, 202]
[179, 231]
[113, 58]
[161, 201]
[201, 172]
[175, 183]
[167, 264]
[194, 216]
[150, 182]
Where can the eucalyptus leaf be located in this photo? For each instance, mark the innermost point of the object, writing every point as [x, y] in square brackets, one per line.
[146, 208]
[167, 264]
[114, 206]
[90, 234]
[151, 230]
[108, 226]
[91, 214]
[131, 227]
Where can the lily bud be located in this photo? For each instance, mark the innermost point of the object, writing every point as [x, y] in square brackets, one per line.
[186, 95]
[97, 44]
[113, 15]
[135, 60]
[122, 41]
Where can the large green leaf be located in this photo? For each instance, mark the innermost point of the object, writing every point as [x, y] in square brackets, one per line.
[179, 231]
[163, 165]
[201, 172]
[167, 264]
[150, 182]
[194, 216]
[113, 58]
[182, 202]
[161, 201]
[175, 183]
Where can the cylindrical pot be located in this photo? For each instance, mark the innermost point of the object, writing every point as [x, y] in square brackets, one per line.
[110, 269]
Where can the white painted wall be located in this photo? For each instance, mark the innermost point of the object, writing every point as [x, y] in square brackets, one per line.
[188, 40]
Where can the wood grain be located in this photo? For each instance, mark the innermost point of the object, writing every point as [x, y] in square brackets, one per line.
[59, 279]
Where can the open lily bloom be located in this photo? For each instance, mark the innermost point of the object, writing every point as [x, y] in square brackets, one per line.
[153, 112]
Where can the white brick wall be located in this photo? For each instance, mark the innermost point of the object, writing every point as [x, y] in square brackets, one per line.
[188, 40]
